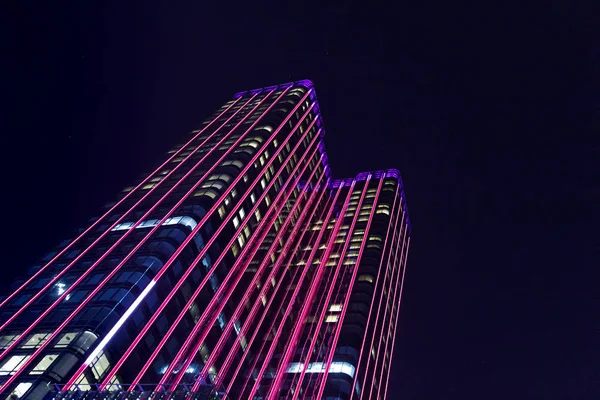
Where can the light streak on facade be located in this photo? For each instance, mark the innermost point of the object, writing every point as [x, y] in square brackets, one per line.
[238, 269]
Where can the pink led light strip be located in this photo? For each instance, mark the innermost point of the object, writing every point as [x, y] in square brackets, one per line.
[327, 283]
[190, 237]
[391, 298]
[63, 271]
[299, 282]
[345, 305]
[327, 340]
[193, 264]
[309, 297]
[272, 137]
[246, 326]
[337, 268]
[109, 276]
[226, 332]
[339, 292]
[383, 304]
[377, 280]
[389, 267]
[397, 315]
[203, 336]
[238, 264]
[100, 219]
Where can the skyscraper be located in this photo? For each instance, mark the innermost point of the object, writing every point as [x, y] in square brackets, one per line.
[238, 268]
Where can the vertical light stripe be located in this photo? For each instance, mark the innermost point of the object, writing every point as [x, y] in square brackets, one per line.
[337, 268]
[388, 270]
[280, 262]
[309, 297]
[398, 303]
[217, 298]
[391, 226]
[345, 305]
[383, 304]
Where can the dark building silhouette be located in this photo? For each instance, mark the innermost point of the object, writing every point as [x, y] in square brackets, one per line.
[237, 267]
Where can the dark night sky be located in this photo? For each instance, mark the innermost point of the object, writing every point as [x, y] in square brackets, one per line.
[490, 109]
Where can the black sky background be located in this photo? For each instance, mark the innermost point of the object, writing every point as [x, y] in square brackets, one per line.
[490, 110]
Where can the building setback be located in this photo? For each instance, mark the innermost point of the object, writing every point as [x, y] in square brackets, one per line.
[236, 269]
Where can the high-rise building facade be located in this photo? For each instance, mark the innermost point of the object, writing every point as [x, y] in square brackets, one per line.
[236, 269]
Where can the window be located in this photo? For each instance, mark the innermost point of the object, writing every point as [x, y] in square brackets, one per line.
[332, 318]
[35, 341]
[335, 307]
[100, 365]
[365, 278]
[65, 340]
[7, 340]
[13, 364]
[236, 222]
[21, 389]
[44, 364]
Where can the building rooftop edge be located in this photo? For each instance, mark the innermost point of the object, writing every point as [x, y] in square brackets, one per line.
[308, 84]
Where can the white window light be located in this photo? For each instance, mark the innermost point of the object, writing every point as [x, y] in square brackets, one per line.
[13, 364]
[185, 221]
[44, 364]
[319, 367]
[22, 388]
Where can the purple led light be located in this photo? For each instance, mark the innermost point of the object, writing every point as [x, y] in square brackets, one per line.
[362, 176]
[393, 173]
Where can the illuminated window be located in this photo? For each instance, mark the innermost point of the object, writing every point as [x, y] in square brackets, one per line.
[65, 339]
[206, 192]
[44, 364]
[7, 340]
[236, 163]
[222, 212]
[236, 222]
[335, 307]
[235, 249]
[13, 364]
[365, 278]
[21, 389]
[100, 365]
[252, 198]
[241, 240]
[35, 341]
[242, 213]
[257, 215]
[148, 186]
[332, 318]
